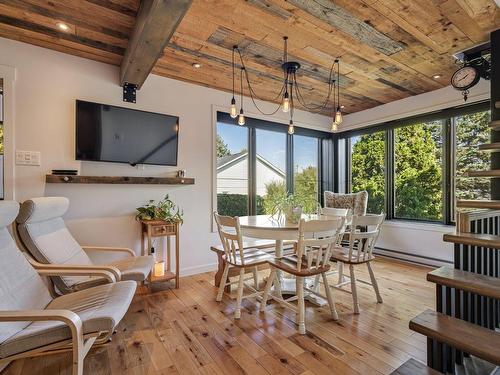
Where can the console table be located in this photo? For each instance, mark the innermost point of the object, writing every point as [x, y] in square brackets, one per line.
[162, 270]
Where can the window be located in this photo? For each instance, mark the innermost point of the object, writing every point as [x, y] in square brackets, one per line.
[259, 162]
[471, 130]
[416, 168]
[418, 171]
[368, 169]
[270, 168]
[232, 169]
[305, 172]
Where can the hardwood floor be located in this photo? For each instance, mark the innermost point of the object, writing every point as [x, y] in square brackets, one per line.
[185, 331]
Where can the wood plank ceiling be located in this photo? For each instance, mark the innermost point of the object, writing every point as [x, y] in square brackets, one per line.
[389, 49]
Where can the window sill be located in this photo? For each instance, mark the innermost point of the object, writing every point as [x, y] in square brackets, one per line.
[419, 225]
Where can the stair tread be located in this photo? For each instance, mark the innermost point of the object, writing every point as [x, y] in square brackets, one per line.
[414, 367]
[462, 335]
[487, 173]
[470, 282]
[483, 203]
[490, 147]
[474, 239]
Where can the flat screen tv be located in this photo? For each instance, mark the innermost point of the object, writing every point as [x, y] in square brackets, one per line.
[121, 135]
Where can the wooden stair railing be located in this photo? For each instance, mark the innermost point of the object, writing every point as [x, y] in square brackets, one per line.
[494, 173]
[464, 336]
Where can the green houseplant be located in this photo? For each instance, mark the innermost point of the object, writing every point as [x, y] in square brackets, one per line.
[164, 209]
[289, 205]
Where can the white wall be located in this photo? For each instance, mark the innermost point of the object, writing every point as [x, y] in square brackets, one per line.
[407, 238]
[46, 87]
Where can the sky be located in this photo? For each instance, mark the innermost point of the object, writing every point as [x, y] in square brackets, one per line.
[271, 145]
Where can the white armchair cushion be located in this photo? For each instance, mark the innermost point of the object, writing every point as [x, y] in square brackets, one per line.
[21, 288]
[136, 268]
[100, 309]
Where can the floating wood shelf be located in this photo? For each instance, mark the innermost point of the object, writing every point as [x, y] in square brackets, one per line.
[68, 179]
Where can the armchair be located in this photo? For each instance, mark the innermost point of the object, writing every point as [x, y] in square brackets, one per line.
[32, 323]
[44, 234]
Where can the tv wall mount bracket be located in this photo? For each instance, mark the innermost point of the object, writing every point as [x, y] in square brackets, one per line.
[129, 92]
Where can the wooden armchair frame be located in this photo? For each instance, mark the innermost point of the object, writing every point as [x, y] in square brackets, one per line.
[79, 343]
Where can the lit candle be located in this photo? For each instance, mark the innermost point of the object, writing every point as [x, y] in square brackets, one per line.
[159, 269]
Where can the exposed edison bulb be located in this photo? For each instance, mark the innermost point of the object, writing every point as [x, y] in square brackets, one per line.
[234, 112]
[291, 129]
[241, 118]
[335, 127]
[286, 103]
[338, 116]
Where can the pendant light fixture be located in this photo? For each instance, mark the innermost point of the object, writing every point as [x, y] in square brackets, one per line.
[290, 90]
[241, 117]
[335, 125]
[233, 112]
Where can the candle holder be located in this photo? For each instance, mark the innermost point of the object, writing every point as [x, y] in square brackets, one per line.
[159, 269]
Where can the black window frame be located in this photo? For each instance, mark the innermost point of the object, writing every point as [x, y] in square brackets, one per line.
[447, 116]
[325, 161]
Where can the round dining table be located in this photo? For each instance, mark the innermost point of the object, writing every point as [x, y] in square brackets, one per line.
[267, 227]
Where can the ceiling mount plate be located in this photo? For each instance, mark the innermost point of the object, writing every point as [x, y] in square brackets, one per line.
[290, 66]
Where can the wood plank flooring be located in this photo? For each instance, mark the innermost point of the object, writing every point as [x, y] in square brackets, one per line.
[185, 331]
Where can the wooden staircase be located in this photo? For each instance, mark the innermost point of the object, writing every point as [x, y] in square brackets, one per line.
[467, 318]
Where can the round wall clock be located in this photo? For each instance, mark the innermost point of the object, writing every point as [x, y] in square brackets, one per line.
[465, 77]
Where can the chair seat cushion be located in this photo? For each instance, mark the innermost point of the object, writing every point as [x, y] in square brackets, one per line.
[289, 265]
[100, 309]
[135, 268]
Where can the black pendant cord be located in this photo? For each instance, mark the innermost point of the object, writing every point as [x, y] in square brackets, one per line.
[250, 88]
[310, 106]
[241, 89]
[232, 59]
[253, 94]
[292, 107]
[313, 107]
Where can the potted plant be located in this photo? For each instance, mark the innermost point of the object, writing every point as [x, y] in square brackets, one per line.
[288, 205]
[164, 210]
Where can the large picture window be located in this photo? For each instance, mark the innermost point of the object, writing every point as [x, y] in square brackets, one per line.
[415, 169]
[368, 169]
[418, 171]
[260, 162]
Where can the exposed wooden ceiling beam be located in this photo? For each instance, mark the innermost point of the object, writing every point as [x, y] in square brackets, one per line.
[156, 23]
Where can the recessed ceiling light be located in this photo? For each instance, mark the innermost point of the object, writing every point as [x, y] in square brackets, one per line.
[62, 26]
[196, 65]
[436, 76]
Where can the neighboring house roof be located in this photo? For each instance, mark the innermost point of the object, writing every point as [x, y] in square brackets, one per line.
[228, 161]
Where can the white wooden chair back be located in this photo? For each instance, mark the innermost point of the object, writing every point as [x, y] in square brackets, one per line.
[231, 238]
[362, 243]
[334, 212]
[316, 241]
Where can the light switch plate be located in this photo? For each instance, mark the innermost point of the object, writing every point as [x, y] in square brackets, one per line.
[28, 157]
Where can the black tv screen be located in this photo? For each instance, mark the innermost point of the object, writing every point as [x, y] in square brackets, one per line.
[121, 135]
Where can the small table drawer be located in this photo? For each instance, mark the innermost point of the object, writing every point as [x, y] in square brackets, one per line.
[162, 230]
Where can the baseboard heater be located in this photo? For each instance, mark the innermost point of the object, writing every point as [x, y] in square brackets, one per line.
[424, 259]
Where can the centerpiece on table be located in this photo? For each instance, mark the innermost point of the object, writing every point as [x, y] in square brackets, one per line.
[291, 206]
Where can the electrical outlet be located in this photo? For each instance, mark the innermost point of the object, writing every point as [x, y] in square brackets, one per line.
[28, 157]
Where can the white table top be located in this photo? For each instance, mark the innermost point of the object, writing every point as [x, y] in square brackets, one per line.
[269, 222]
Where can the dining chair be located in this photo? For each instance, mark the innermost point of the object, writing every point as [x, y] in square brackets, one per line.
[360, 251]
[239, 257]
[316, 240]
